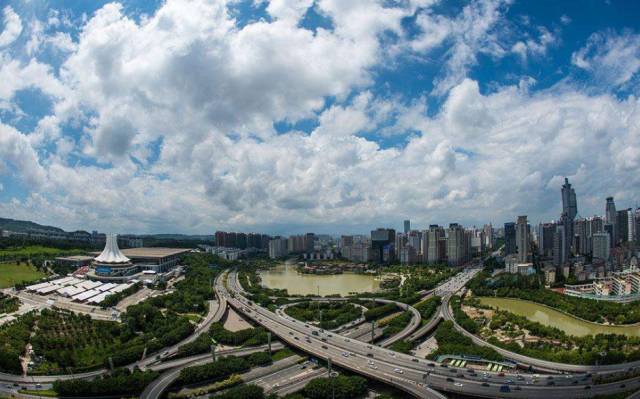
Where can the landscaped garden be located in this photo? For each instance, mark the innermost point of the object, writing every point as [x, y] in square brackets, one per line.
[328, 315]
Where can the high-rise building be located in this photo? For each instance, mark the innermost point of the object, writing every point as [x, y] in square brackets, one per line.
[488, 236]
[381, 238]
[455, 244]
[637, 229]
[546, 231]
[435, 252]
[581, 240]
[569, 206]
[278, 247]
[510, 238]
[601, 246]
[622, 226]
[611, 217]
[522, 239]
[560, 247]
[407, 226]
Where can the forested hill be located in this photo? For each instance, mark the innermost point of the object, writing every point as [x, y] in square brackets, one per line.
[23, 226]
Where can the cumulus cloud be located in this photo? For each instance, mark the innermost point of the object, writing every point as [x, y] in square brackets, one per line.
[12, 27]
[167, 123]
[613, 58]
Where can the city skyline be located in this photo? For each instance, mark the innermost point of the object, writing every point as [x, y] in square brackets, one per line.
[290, 116]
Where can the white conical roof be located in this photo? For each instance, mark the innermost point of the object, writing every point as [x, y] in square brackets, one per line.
[111, 253]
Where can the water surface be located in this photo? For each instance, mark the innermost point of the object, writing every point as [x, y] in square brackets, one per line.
[286, 276]
[554, 318]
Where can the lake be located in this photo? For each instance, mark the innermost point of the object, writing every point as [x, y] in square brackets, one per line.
[554, 318]
[286, 276]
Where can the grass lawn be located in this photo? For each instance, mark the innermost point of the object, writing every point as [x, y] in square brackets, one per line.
[11, 273]
[43, 392]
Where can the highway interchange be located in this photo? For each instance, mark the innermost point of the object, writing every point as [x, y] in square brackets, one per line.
[349, 350]
[416, 376]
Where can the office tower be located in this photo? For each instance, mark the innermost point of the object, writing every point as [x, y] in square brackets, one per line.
[632, 225]
[581, 239]
[407, 226]
[435, 252]
[560, 246]
[488, 236]
[424, 246]
[622, 226]
[601, 246]
[546, 231]
[611, 217]
[522, 239]
[455, 244]
[381, 238]
[346, 241]
[569, 207]
[412, 239]
[509, 238]
[278, 247]
[400, 241]
[637, 219]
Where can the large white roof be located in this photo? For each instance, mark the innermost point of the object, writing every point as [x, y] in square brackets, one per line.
[111, 253]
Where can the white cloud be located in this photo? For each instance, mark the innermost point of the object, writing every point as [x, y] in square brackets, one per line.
[12, 27]
[172, 125]
[612, 58]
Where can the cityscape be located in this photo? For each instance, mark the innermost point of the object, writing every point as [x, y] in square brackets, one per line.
[320, 199]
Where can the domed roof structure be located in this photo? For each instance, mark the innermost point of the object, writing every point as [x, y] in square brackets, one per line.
[111, 253]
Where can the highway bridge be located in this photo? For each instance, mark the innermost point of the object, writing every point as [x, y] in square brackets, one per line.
[418, 377]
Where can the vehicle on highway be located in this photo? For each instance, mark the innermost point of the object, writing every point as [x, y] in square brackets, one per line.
[505, 388]
[458, 384]
[399, 371]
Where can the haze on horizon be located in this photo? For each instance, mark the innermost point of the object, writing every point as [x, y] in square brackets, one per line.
[288, 116]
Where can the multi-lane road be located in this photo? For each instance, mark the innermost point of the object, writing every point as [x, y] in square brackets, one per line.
[417, 376]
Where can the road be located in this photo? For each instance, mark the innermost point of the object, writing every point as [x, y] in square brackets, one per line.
[160, 384]
[215, 313]
[417, 376]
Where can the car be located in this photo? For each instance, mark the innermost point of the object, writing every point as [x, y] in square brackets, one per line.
[304, 366]
[587, 387]
[449, 379]
[373, 367]
[517, 388]
[324, 347]
[399, 371]
[431, 365]
[505, 388]
[458, 384]
[452, 371]
[370, 361]
[520, 377]
[329, 335]
[550, 377]
[415, 360]
[346, 340]
[290, 332]
[323, 339]
[345, 354]
[500, 374]
[484, 384]
[296, 338]
[551, 383]
[623, 386]
[369, 354]
[509, 381]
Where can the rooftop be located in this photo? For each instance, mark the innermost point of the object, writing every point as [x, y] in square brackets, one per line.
[147, 252]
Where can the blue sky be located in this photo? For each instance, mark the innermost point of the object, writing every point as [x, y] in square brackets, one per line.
[295, 115]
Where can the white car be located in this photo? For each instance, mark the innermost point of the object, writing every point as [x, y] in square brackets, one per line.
[398, 371]
[458, 384]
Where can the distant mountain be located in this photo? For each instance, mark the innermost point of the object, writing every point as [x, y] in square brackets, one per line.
[22, 226]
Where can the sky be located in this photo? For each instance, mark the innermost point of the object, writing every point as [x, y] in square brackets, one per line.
[330, 116]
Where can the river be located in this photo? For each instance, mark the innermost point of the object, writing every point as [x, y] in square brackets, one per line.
[554, 318]
[286, 276]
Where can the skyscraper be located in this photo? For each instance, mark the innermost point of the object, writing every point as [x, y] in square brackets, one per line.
[407, 226]
[522, 239]
[546, 231]
[381, 238]
[455, 244]
[570, 208]
[611, 217]
[601, 246]
[560, 254]
[509, 238]
[435, 252]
